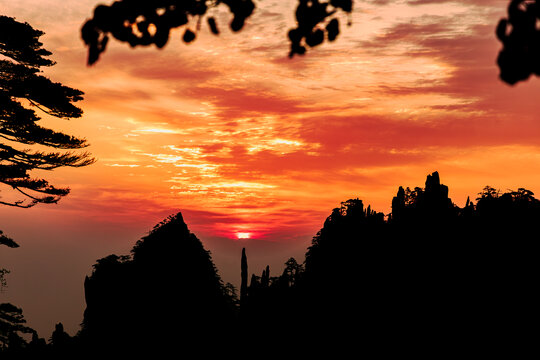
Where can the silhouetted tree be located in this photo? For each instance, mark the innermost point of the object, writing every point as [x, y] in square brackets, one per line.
[61, 343]
[20, 83]
[270, 305]
[37, 347]
[519, 34]
[4, 240]
[488, 193]
[231, 293]
[254, 283]
[3, 282]
[22, 57]
[145, 23]
[292, 272]
[12, 326]
[243, 276]
[265, 277]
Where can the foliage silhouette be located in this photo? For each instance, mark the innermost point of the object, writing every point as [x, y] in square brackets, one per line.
[37, 346]
[21, 83]
[61, 344]
[145, 23]
[13, 344]
[519, 34]
[7, 241]
[12, 326]
[4, 240]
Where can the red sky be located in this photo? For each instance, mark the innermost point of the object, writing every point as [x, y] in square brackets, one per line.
[242, 139]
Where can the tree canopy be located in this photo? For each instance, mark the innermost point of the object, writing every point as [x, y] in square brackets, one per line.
[12, 325]
[519, 33]
[144, 23]
[23, 88]
[7, 241]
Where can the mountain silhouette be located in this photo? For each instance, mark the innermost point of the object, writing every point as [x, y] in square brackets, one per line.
[166, 295]
[429, 279]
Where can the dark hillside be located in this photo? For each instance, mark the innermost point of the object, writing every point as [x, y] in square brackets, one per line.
[166, 294]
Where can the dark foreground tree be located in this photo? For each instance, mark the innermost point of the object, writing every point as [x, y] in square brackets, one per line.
[150, 22]
[12, 326]
[520, 35]
[23, 88]
[143, 23]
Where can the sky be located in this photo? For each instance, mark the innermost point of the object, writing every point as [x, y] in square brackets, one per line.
[256, 149]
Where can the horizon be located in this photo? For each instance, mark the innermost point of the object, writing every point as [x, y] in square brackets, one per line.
[255, 148]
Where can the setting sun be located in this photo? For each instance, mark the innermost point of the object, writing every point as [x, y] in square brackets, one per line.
[243, 235]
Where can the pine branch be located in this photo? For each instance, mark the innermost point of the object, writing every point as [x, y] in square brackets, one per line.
[22, 56]
[18, 204]
[7, 241]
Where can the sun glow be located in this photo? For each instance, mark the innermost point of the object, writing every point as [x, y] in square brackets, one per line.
[243, 235]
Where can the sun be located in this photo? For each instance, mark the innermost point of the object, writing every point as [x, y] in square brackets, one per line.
[243, 235]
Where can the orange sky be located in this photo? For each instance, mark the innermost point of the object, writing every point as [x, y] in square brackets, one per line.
[242, 139]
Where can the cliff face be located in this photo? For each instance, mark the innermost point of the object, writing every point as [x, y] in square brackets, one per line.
[167, 292]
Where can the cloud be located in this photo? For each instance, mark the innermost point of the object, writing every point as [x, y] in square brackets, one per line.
[234, 102]
[466, 50]
[483, 3]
